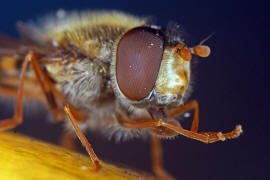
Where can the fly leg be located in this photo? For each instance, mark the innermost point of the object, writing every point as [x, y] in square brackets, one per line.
[213, 136]
[71, 116]
[17, 119]
[187, 107]
[205, 137]
[8, 87]
[157, 161]
[48, 89]
[67, 138]
[155, 144]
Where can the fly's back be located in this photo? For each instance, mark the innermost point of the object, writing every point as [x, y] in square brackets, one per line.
[92, 33]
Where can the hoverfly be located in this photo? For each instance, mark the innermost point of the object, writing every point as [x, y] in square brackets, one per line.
[106, 71]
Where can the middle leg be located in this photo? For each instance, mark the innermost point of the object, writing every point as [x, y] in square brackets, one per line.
[71, 115]
[48, 89]
[157, 156]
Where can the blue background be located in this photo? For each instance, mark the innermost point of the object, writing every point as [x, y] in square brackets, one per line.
[231, 86]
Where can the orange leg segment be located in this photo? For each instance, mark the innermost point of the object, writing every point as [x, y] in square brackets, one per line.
[206, 137]
[69, 111]
[18, 114]
[30, 91]
[187, 107]
[48, 88]
[157, 163]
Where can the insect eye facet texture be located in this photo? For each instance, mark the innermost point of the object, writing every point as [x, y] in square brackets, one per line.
[138, 59]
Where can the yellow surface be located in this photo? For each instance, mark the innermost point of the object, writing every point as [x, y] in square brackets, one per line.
[24, 158]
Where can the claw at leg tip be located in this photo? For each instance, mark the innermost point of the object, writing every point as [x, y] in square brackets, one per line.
[239, 129]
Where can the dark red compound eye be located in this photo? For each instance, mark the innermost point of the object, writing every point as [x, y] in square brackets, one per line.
[138, 58]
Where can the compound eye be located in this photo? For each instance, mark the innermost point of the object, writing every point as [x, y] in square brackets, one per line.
[138, 58]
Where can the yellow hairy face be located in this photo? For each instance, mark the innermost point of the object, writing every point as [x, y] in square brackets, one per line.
[174, 74]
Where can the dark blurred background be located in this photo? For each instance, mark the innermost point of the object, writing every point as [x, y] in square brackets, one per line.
[231, 86]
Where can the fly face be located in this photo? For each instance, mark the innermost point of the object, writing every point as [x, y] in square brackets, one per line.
[149, 72]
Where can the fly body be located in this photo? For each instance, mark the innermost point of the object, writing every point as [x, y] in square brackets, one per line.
[107, 71]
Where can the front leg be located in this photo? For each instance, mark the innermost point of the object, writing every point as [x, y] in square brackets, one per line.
[167, 128]
[160, 125]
